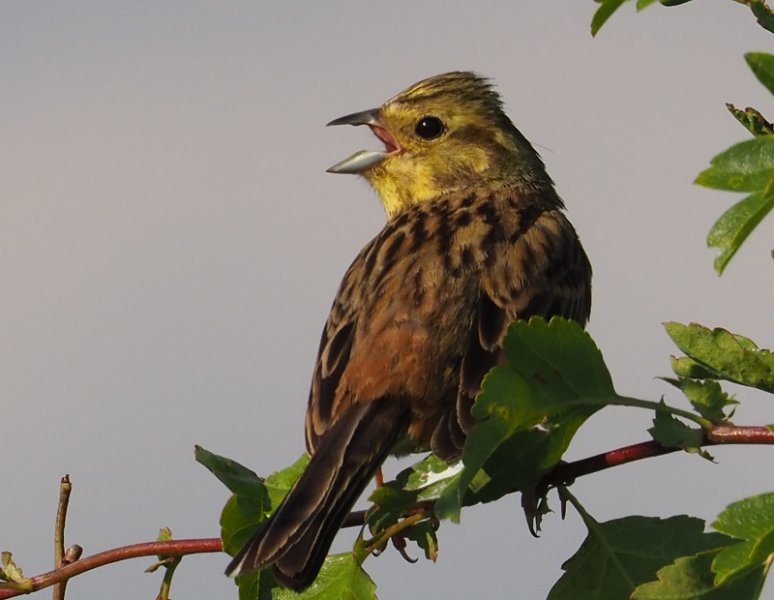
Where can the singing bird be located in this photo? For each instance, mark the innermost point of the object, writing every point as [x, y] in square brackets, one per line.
[475, 238]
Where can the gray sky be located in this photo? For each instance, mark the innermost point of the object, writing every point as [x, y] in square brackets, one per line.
[171, 245]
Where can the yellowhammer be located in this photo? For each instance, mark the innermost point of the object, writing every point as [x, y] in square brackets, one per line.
[475, 238]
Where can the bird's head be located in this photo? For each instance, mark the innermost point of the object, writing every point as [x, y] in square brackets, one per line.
[443, 134]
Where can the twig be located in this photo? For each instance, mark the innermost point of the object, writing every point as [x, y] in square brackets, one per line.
[715, 436]
[739, 434]
[170, 548]
[65, 487]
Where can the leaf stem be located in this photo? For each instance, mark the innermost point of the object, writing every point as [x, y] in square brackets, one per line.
[381, 538]
[661, 407]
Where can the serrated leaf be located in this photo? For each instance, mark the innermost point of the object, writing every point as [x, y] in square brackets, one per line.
[238, 479]
[391, 502]
[728, 356]
[278, 484]
[619, 555]
[341, 577]
[253, 500]
[751, 520]
[687, 367]
[673, 433]
[257, 586]
[752, 120]
[706, 396]
[691, 578]
[762, 65]
[555, 378]
[558, 354]
[423, 481]
[745, 167]
[8, 569]
[429, 478]
[239, 520]
[603, 13]
[736, 224]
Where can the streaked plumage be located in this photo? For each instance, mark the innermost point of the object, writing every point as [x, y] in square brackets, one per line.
[475, 238]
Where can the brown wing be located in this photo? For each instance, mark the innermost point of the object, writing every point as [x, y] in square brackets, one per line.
[334, 353]
[544, 272]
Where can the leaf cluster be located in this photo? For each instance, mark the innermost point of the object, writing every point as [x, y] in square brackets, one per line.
[528, 412]
[762, 13]
[746, 167]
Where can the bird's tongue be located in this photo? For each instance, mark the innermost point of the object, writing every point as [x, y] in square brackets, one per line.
[390, 144]
[365, 159]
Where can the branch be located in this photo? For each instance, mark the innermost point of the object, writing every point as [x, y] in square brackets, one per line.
[169, 548]
[65, 488]
[562, 474]
[717, 434]
[566, 473]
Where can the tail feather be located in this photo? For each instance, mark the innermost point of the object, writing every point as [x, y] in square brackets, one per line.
[297, 537]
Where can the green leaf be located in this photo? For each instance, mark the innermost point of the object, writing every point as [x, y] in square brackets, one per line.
[619, 555]
[706, 396]
[391, 502]
[731, 357]
[554, 378]
[423, 535]
[751, 520]
[278, 484]
[764, 15]
[687, 367]
[257, 586]
[673, 433]
[8, 569]
[745, 167]
[341, 577]
[736, 224]
[240, 518]
[674, 2]
[253, 497]
[429, 477]
[762, 64]
[603, 13]
[691, 578]
[643, 4]
[238, 479]
[751, 120]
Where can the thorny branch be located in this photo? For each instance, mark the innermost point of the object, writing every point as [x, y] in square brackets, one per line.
[561, 474]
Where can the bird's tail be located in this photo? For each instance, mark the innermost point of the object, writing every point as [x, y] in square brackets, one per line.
[298, 535]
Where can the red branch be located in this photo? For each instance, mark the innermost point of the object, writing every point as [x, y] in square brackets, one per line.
[168, 548]
[717, 435]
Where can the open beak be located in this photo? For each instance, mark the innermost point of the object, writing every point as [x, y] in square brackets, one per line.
[365, 159]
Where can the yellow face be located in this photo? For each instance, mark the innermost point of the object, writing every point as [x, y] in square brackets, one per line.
[441, 135]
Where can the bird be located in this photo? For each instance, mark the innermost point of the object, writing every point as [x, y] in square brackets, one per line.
[476, 237]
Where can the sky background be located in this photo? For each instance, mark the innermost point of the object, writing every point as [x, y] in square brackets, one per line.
[170, 245]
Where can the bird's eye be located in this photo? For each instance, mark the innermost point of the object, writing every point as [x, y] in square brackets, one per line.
[429, 127]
